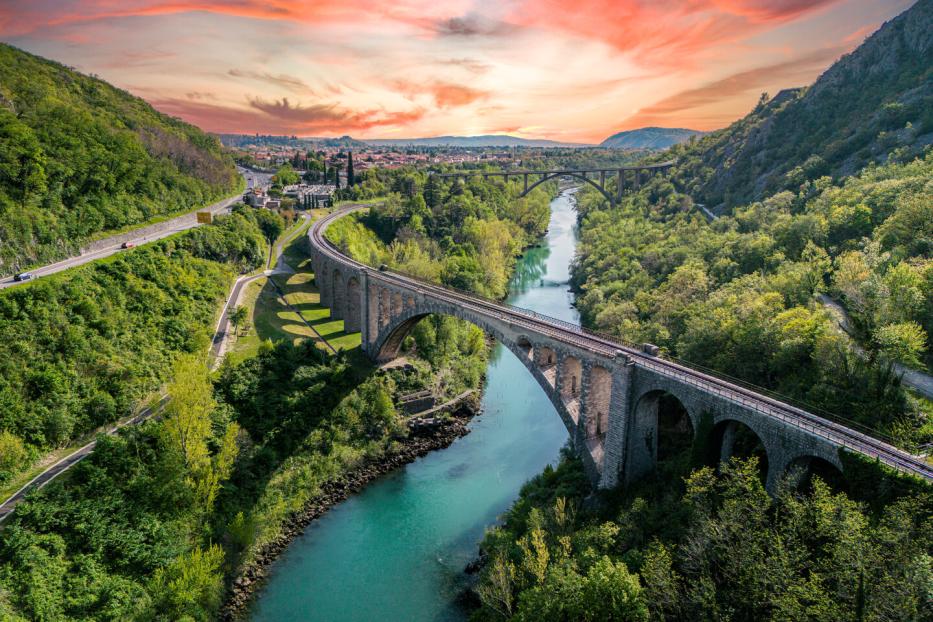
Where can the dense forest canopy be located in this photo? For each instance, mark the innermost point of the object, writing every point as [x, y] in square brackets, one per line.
[827, 196]
[739, 294]
[694, 544]
[872, 105]
[82, 347]
[79, 157]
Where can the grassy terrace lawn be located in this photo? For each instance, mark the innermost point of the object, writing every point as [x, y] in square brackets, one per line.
[272, 320]
[302, 294]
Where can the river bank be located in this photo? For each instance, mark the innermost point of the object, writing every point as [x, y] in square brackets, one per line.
[398, 549]
[337, 491]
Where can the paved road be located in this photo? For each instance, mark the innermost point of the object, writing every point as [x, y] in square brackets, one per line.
[219, 343]
[40, 480]
[917, 380]
[113, 244]
[6, 508]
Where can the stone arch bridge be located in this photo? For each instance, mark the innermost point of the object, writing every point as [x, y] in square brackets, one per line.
[610, 396]
[598, 179]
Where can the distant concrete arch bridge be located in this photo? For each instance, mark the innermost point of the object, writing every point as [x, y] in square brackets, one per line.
[624, 408]
[638, 175]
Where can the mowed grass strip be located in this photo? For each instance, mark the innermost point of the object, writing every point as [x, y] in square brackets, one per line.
[303, 295]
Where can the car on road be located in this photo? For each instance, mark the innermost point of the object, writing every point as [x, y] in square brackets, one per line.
[127, 245]
[22, 276]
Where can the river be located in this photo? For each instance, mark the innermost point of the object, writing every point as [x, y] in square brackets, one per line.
[397, 550]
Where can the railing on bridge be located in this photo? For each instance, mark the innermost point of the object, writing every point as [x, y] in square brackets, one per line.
[836, 428]
[580, 173]
[750, 401]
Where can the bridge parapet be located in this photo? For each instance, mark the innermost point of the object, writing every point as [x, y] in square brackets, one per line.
[638, 174]
[615, 400]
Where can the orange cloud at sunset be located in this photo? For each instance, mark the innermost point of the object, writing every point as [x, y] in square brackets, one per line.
[565, 70]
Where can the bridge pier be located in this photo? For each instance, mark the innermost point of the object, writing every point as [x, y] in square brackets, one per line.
[620, 420]
[607, 394]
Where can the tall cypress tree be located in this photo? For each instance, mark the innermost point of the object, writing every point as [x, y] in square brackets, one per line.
[351, 180]
[431, 192]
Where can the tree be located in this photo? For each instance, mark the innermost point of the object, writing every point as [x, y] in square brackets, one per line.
[191, 587]
[285, 176]
[13, 455]
[903, 342]
[188, 430]
[237, 317]
[431, 192]
[351, 180]
[271, 224]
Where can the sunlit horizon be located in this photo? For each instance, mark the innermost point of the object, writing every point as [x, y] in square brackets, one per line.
[540, 69]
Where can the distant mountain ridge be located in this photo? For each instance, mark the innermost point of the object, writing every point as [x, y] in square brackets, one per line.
[485, 140]
[79, 157]
[873, 102]
[649, 138]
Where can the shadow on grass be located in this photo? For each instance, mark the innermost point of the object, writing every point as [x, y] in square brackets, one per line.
[293, 393]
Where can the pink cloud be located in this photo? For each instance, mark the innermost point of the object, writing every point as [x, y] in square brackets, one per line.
[681, 107]
[662, 32]
[281, 116]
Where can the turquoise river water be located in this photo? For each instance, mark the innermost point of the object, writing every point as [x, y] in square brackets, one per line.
[397, 550]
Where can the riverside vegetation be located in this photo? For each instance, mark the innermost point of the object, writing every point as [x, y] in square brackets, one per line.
[158, 521]
[821, 190]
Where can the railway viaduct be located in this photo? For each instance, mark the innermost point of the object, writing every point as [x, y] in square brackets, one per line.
[619, 403]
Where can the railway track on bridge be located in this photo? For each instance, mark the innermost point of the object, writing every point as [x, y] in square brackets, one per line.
[840, 433]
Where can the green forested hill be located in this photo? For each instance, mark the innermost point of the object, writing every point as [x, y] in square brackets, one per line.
[874, 103]
[78, 156]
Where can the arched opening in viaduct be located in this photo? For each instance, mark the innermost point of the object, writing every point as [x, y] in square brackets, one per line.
[353, 318]
[571, 384]
[525, 346]
[731, 438]
[802, 471]
[662, 434]
[338, 295]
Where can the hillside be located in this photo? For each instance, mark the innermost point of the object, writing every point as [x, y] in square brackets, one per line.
[875, 101]
[79, 157]
[649, 138]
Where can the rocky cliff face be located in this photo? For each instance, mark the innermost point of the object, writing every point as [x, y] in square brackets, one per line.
[871, 104]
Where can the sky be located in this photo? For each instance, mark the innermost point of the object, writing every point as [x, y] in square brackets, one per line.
[570, 70]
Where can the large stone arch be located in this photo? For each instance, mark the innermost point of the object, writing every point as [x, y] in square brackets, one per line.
[545, 178]
[388, 342]
[662, 427]
[353, 320]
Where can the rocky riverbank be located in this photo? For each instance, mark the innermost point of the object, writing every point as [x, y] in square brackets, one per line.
[332, 493]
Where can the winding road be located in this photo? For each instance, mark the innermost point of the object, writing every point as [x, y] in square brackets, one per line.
[915, 379]
[143, 235]
[113, 245]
